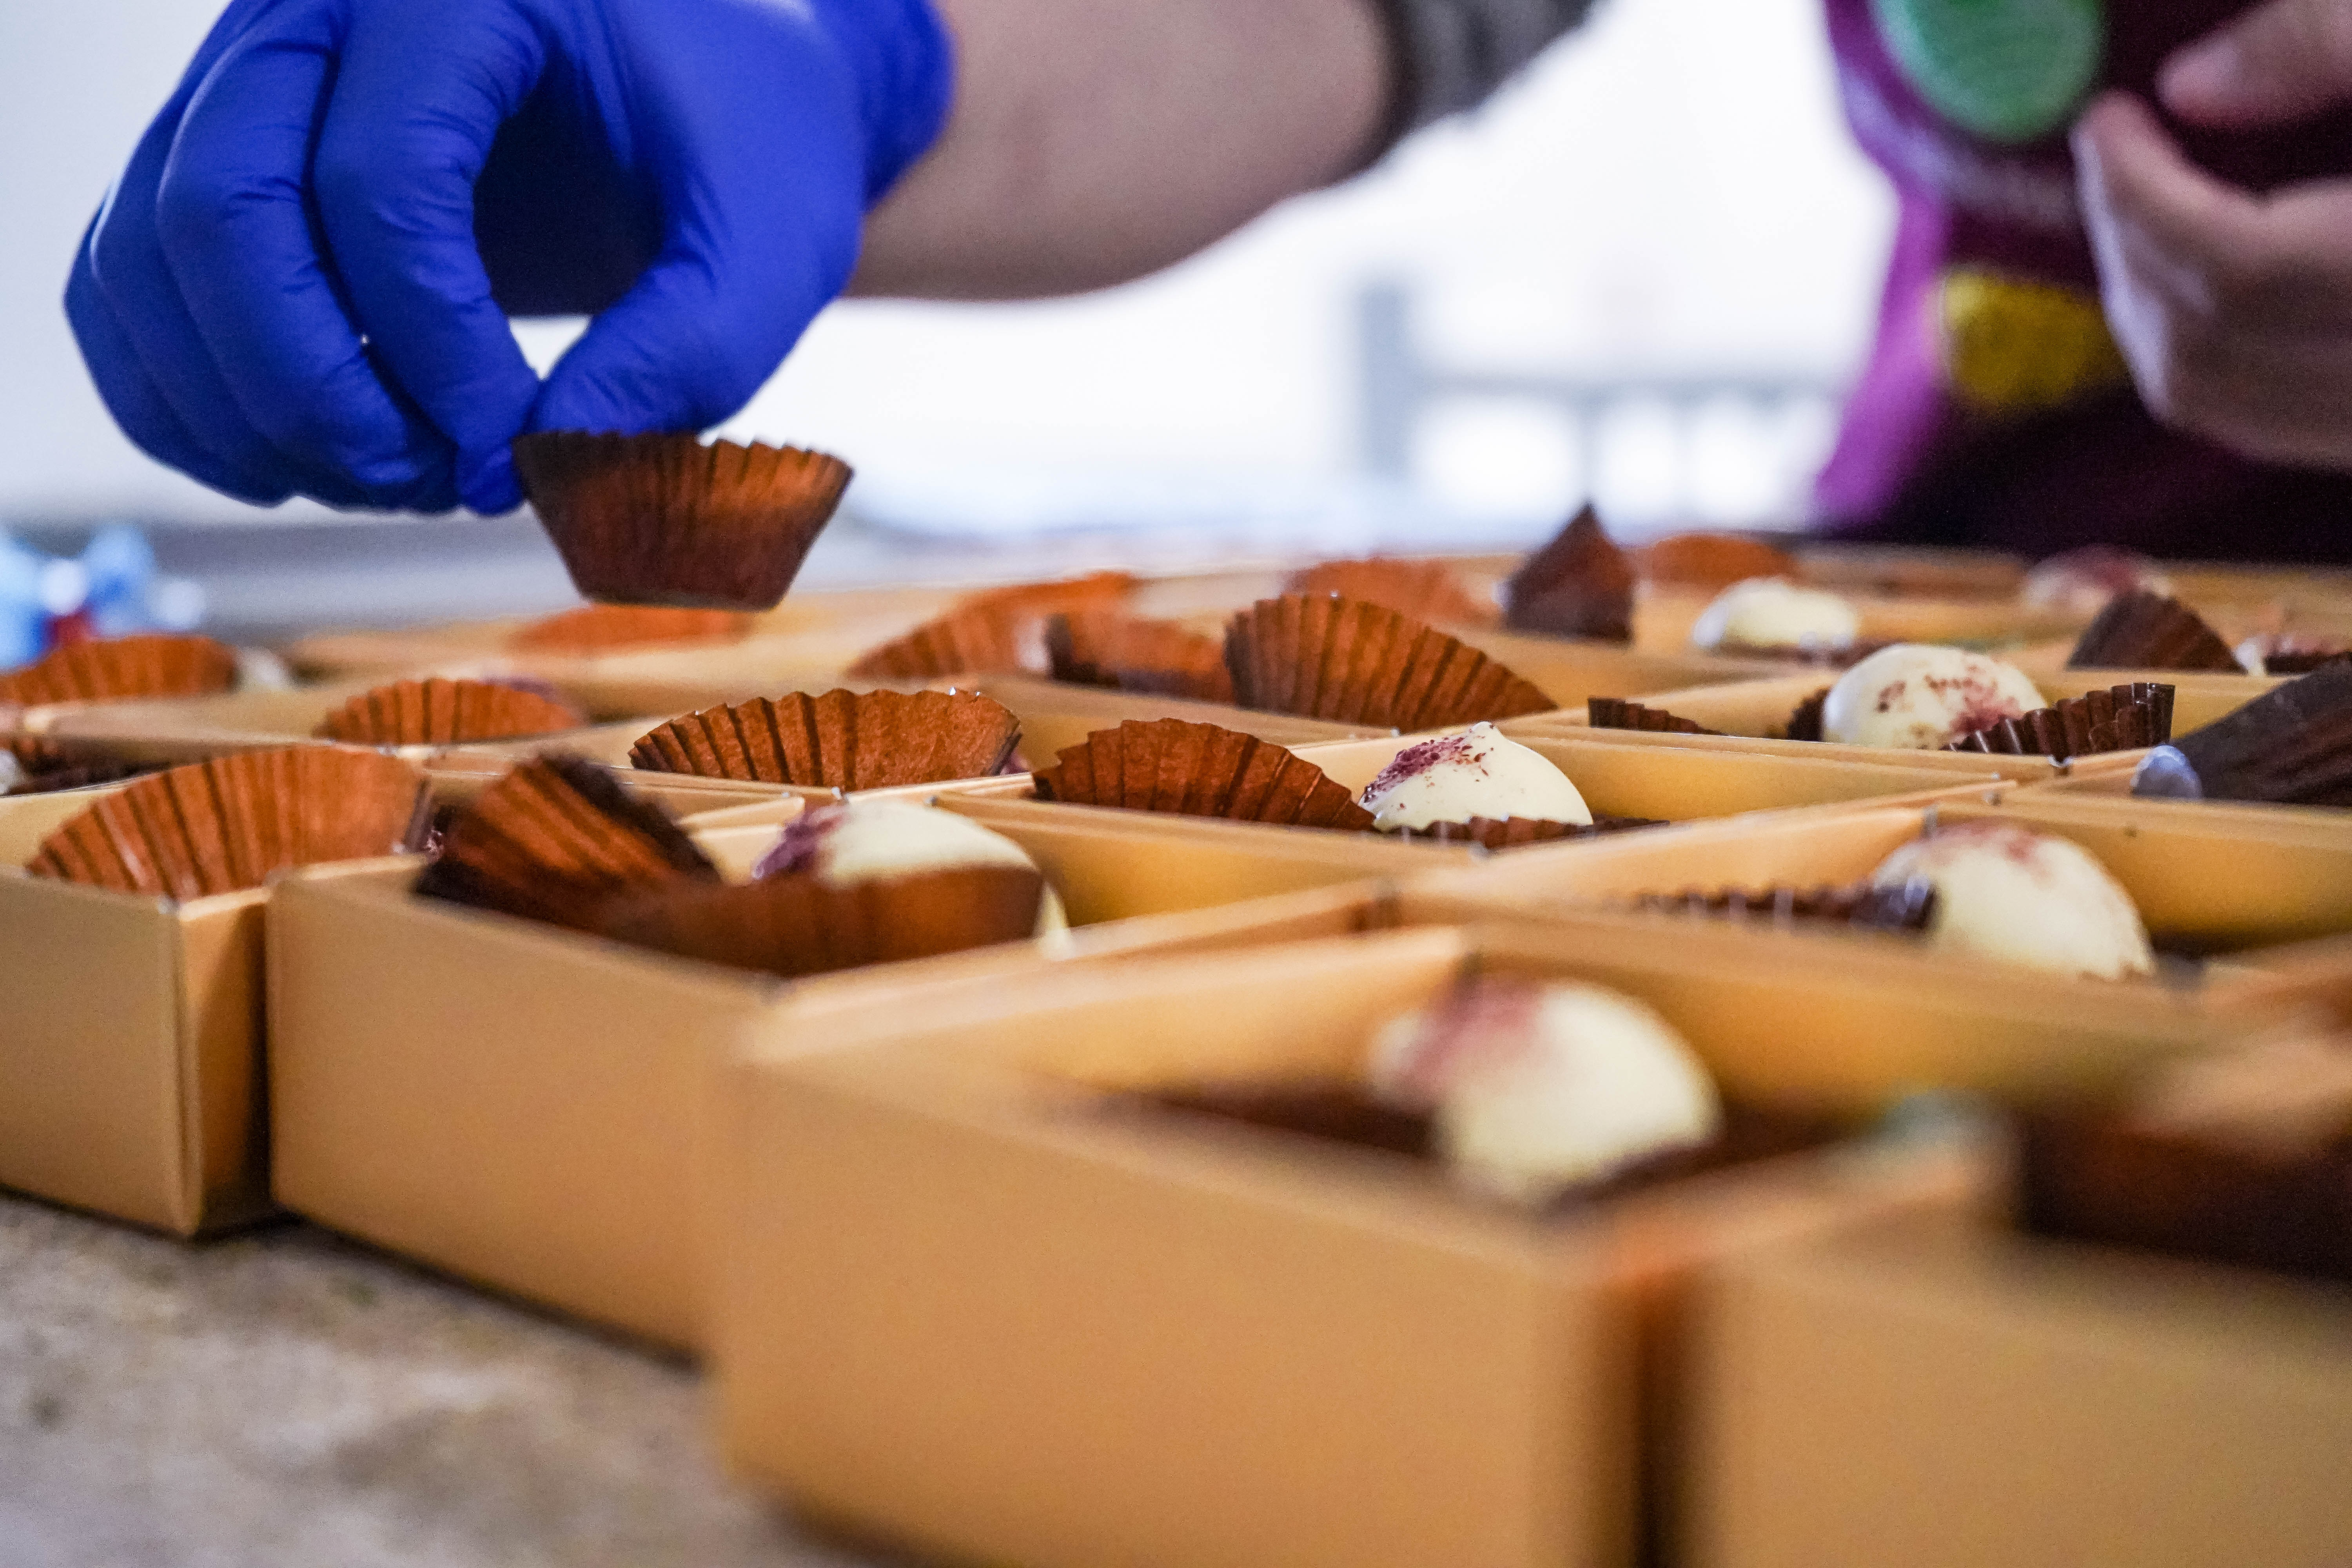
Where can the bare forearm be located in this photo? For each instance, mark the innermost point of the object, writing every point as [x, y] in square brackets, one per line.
[1094, 140]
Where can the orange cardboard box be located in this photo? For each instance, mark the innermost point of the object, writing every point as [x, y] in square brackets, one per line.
[1943, 1394]
[976, 1300]
[130, 1040]
[521, 1105]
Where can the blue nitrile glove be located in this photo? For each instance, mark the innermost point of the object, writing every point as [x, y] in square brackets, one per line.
[301, 283]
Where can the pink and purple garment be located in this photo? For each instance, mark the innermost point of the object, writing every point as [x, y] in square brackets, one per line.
[1995, 409]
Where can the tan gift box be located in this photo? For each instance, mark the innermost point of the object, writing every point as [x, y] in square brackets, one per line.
[519, 1104]
[1945, 1396]
[176, 728]
[970, 1304]
[1754, 718]
[2212, 882]
[1665, 614]
[378, 653]
[130, 1040]
[1052, 715]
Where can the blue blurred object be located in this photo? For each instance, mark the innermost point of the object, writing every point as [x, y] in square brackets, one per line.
[24, 623]
[111, 589]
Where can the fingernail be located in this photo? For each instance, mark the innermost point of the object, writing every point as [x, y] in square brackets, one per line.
[2205, 70]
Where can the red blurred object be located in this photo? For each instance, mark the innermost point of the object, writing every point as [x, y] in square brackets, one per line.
[78, 627]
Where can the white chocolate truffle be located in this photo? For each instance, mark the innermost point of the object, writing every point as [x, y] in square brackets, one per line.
[2083, 581]
[1537, 1088]
[874, 840]
[1478, 772]
[2032, 898]
[1923, 697]
[12, 772]
[1773, 612]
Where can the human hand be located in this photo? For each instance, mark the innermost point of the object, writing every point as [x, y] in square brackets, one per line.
[301, 283]
[2233, 310]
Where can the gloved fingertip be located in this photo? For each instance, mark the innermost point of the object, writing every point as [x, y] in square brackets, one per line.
[491, 488]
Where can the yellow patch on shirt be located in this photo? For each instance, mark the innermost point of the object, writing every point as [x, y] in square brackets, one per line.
[2012, 346]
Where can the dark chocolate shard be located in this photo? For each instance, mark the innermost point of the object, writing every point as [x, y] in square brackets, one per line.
[1805, 723]
[1616, 714]
[1519, 832]
[1578, 585]
[2120, 718]
[1901, 906]
[2140, 630]
[2291, 746]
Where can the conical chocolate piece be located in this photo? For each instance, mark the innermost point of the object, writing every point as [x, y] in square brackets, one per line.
[843, 739]
[664, 520]
[1199, 770]
[963, 642]
[1578, 586]
[1517, 831]
[236, 821]
[801, 924]
[2120, 718]
[1616, 714]
[2140, 630]
[1713, 561]
[439, 712]
[555, 840]
[2291, 746]
[603, 628]
[1125, 652]
[1424, 590]
[1904, 906]
[122, 668]
[1805, 723]
[1355, 663]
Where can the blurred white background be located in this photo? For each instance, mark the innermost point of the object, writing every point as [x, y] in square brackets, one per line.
[1666, 199]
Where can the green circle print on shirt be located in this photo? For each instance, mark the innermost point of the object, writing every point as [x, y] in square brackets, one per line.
[2007, 70]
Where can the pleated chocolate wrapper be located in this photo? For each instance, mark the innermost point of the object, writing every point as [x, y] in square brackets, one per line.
[1519, 832]
[439, 712]
[601, 628]
[843, 739]
[234, 822]
[1355, 663]
[2291, 746]
[1199, 770]
[1713, 560]
[122, 668]
[801, 924]
[557, 839]
[1129, 653]
[2120, 718]
[1616, 714]
[1905, 906]
[664, 520]
[2140, 630]
[1578, 585]
[961, 642]
[1424, 590]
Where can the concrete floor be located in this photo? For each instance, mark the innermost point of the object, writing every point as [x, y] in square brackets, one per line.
[287, 1400]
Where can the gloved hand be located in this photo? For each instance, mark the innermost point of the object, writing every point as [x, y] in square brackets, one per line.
[2233, 308]
[301, 283]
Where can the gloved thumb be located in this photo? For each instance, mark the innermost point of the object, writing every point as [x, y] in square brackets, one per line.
[2278, 62]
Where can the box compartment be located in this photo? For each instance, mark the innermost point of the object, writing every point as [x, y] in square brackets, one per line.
[973, 1300]
[1944, 1395]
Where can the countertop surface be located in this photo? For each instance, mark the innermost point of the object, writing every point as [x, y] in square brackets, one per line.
[285, 1399]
